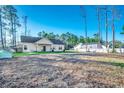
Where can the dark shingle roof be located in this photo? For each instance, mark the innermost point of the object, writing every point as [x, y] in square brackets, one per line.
[29, 39]
[56, 41]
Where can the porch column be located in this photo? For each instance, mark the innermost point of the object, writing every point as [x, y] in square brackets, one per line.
[36, 47]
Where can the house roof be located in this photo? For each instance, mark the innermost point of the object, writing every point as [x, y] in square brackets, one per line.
[56, 41]
[30, 39]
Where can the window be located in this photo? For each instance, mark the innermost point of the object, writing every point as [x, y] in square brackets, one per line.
[60, 48]
[25, 47]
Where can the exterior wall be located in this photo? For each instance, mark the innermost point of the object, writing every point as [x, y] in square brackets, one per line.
[34, 47]
[56, 47]
[44, 41]
[30, 47]
[49, 45]
[118, 50]
[40, 48]
[90, 48]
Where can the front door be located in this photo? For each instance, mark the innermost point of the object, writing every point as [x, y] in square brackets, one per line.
[44, 48]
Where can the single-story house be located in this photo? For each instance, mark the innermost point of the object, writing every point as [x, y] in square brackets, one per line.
[91, 47]
[37, 44]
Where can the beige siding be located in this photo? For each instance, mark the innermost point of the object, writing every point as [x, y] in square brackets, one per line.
[44, 41]
[38, 46]
[56, 47]
[30, 47]
[34, 47]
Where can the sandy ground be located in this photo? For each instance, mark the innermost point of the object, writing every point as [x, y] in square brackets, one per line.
[60, 70]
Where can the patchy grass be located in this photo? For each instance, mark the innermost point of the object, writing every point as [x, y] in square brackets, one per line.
[118, 64]
[109, 60]
[101, 59]
[38, 53]
[58, 70]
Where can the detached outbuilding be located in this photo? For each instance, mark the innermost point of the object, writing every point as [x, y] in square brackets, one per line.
[92, 47]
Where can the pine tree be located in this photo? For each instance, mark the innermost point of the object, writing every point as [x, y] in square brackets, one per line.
[13, 22]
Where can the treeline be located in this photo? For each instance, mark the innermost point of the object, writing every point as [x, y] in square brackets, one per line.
[68, 38]
[9, 23]
[71, 39]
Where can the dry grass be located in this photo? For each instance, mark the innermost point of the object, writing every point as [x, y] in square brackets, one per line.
[63, 70]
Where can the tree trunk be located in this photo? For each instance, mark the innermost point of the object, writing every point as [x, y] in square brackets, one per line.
[1, 29]
[98, 14]
[12, 30]
[86, 31]
[113, 31]
[106, 29]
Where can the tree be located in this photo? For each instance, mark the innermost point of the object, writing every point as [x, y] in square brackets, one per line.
[83, 11]
[117, 44]
[25, 24]
[122, 31]
[1, 30]
[96, 37]
[82, 39]
[2, 27]
[51, 36]
[42, 34]
[106, 24]
[68, 38]
[115, 15]
[113, 30]
[13, 22]
[99, 29]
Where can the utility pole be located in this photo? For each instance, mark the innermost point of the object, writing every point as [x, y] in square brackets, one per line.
[106, 25]
[25, 24]
[113, 29]
[99, 35]
[85, 22]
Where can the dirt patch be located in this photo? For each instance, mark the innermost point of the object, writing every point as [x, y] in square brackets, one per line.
[60, 71]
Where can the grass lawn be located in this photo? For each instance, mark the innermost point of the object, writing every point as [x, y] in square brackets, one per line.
[38, 53]
[110, 59]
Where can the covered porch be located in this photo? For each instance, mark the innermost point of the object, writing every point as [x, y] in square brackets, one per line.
[43, 47]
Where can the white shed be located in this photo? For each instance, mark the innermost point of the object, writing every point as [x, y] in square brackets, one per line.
[93, 47]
